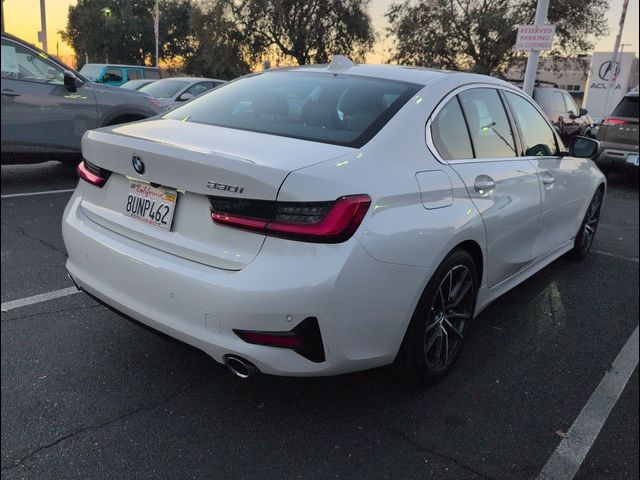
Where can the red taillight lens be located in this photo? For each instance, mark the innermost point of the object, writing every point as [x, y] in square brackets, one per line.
[286, 340]
[92, 173]
[325, 222]
[614, 121]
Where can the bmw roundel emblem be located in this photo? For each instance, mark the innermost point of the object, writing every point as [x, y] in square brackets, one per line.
[138, 164]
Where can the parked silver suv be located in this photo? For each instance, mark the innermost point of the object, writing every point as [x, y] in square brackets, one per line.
[47, 107]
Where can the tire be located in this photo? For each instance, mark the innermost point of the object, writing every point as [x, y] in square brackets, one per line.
[436, 332]
[588, 228]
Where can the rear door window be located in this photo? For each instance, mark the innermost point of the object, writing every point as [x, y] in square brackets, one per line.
[537, 135]
[488, 123]
[199, 88]
[112, 75]
[149, 73]
[133, 74]
[449, 132]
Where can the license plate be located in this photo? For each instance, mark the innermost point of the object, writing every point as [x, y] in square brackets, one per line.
[152, 205]
[633, 159]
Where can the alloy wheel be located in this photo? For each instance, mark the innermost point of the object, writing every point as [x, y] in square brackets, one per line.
[451, 309]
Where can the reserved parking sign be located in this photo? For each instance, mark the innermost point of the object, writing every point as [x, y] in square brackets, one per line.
[535, 37]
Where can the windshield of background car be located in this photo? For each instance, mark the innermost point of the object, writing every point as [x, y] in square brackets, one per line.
[323, 107]
[92, 72]
[164, 88]
[627, 108]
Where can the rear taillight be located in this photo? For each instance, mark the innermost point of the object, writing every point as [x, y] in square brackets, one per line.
[92, 173]
[614, 121]
[323, 222]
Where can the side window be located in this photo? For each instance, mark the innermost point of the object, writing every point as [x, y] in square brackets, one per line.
[21, 63]
[571, 105]
[133, 74]
[199, 88]
[148, 73]
[537, 134]
[449, 133]
[112, 75]
[558, 103]
[488, 123]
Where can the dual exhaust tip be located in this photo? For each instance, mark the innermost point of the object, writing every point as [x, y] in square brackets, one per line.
[240, 367]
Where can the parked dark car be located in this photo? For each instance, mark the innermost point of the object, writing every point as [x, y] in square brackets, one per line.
[561, 109]
[619, 137]
[47, 106]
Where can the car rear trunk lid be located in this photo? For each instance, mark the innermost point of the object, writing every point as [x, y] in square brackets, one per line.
[196, 161]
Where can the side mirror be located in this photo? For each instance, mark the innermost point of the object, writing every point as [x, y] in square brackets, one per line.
[185, 96]
[70, 81]
[583, 112]
[583, 147]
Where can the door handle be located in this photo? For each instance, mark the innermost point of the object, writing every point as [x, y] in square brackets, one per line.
[9, 93]
[547, 179]
[484, 184]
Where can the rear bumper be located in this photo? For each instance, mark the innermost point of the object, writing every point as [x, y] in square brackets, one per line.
[363, 306]
[616, 159]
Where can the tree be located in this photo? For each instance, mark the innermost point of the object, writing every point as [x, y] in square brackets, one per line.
[219, 49]
[479, 35]
[306, 31]
[125, 33]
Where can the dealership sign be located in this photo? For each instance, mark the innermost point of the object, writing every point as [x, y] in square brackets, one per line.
[535, 37]
[603, 72]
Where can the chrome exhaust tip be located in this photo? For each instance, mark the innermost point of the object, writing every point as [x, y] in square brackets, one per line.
[240, 367]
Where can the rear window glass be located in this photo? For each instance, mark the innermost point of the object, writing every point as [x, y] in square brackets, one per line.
[133, 74]
[164, 88]
[339, 109]
[155, 74]
[628, 107]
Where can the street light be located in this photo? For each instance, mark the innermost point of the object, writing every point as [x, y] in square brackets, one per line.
[106, 14]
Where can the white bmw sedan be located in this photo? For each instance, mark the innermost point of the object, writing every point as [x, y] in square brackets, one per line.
[327, 219]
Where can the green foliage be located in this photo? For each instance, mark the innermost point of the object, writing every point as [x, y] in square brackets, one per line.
[308, 31]
[127, 36]
[479, 35]
[218, 50]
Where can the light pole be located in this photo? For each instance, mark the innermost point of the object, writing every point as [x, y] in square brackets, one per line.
[534, 55]
[615, 65]
[2, 15]
[42, 34]
[106, 13]
[156, 28]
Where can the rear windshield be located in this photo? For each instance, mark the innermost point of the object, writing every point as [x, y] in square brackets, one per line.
[628, 107]
[164, 88]
[92, 72]
[339, 109]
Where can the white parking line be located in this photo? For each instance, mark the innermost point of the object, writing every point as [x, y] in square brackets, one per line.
[30, 194]
[615, 255]
[43, 297]
[567, 458]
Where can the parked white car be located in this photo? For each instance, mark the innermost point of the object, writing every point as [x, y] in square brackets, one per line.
[326, 219]
[173, 91]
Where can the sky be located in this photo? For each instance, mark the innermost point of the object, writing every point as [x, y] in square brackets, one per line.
[22, 18]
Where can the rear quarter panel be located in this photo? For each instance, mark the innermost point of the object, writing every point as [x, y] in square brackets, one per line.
[398, 228]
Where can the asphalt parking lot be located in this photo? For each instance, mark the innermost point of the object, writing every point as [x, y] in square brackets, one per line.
[86, 394]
